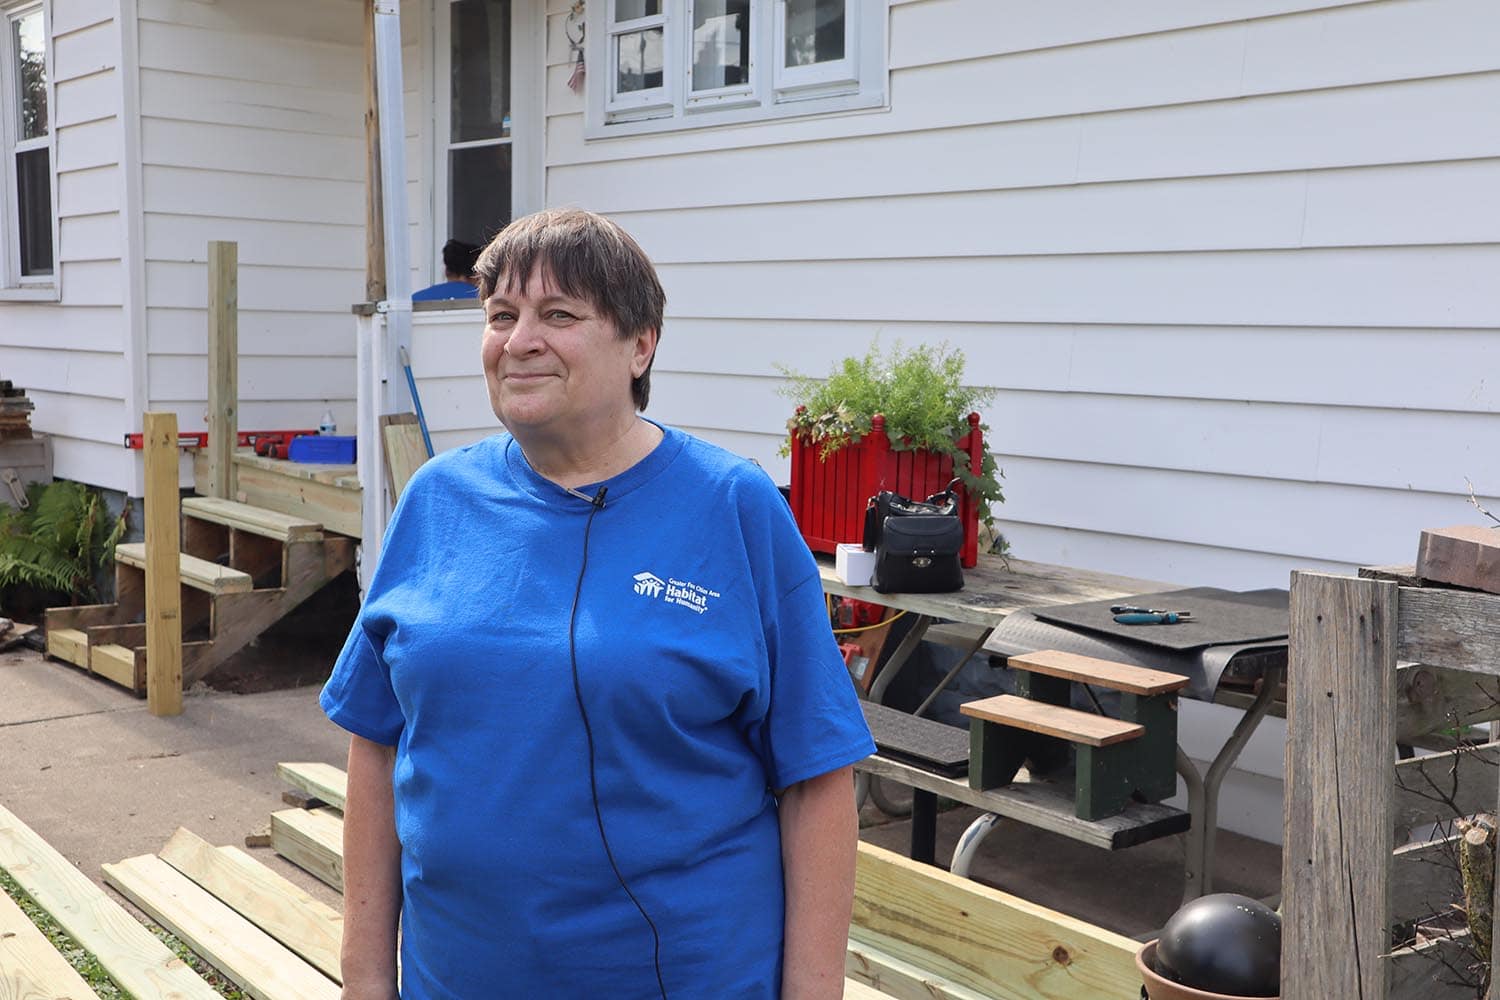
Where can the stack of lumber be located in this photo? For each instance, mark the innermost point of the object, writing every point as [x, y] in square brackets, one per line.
[919, 933]
[15, 412]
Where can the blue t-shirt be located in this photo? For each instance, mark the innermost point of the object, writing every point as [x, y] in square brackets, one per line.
[445, 290]
[709, 674]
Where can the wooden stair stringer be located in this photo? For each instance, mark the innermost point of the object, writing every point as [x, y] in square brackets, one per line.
[239, 618]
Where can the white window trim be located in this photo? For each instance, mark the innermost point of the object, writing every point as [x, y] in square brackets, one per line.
[857, 82]
[13, 286]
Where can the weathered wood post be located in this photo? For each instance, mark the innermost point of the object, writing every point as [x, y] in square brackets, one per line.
[223, 366]
[163, 587]
[1340, 773]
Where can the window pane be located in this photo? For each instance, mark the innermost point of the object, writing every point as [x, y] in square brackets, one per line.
[31, 75]
[481, 69]
[814, 31]
[721, 43]
[640, 54]
[478, 192]
[34, 202]
[629, 10]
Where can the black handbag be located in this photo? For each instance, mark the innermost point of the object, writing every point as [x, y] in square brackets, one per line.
[916, 542]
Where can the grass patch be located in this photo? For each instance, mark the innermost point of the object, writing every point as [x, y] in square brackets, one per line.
[87, 966]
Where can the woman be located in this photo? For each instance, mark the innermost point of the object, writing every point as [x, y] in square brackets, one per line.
[601, 732]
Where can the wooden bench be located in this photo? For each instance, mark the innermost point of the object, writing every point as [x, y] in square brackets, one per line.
[1115, 760]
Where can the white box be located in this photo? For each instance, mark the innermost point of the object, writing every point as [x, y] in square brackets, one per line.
[853, 565]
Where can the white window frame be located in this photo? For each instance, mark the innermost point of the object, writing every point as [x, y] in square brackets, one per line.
[14, 285]
[775, 91]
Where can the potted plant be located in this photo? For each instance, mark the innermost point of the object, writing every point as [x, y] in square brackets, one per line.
[901, 421]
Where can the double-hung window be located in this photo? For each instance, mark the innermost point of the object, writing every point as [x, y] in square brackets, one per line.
[656, 65]
[474, 122]
[26, 215]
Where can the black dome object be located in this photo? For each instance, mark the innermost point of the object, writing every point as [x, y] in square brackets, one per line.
[1224, 943]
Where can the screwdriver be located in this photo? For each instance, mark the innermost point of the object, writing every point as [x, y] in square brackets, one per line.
[1153, 617]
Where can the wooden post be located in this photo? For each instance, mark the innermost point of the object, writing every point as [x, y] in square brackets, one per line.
[374, 212]
[223, 366]
[1340, 773]
[163, 586]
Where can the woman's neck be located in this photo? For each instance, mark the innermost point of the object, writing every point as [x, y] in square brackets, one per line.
[571, 463]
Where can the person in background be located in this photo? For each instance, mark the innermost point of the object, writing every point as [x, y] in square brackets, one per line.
[458, 274]
[601, 734]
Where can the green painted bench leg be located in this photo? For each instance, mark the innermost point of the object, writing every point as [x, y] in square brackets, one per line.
[1156, 749]
[995, 754]
[1104, 780]
[1046, 755]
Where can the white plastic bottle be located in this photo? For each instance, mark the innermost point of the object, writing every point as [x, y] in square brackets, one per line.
[328, 426]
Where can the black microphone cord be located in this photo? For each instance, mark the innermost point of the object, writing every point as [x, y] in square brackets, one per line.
[596, 505]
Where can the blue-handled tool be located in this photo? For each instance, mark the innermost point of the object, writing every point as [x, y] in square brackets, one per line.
[1153, 617]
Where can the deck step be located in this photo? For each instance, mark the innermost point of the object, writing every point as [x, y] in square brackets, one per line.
[70, 645]
[1052, 720]
[1101, 673]
[117, 663]
[256, 520]
[200, 574]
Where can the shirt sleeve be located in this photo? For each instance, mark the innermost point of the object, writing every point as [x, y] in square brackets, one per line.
[358, 697]
[815, 724]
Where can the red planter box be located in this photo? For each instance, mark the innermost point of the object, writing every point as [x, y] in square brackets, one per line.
[829, 495]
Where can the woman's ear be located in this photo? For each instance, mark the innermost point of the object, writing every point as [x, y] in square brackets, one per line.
[645, 350]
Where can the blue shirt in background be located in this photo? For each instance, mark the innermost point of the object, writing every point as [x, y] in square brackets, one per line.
[445, 290]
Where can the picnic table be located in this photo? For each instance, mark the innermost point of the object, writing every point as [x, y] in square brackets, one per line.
[993, 590]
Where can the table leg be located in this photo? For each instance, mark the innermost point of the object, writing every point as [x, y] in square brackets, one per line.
[923, 826]
[897, 660]
[1205, 815]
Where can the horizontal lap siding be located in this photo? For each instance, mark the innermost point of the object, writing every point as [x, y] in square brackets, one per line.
[1230, 267]
[69, 355]
[252, 131]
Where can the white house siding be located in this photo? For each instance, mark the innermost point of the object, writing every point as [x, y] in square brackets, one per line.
[1230, 266]
[69, 355]
[252, 130]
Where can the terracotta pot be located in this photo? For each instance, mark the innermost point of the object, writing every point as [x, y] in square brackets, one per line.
[1158, 988]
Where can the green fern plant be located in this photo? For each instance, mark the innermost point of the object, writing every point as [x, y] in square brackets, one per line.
[60, 543]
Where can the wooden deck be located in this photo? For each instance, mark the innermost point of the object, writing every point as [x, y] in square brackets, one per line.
[327, 494]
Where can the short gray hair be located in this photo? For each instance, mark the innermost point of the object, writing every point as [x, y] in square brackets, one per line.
[587, 257]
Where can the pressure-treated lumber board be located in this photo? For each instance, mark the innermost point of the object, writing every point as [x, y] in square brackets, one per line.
[984, 939]
[1449, 628]
[308, 927]
[134, 958]
[30, 968]
[223, 364]
[1465, 556]
[335, 505]
[859, 991]
[68, 644]
[313, 840]
[118, 664]
[230, 943]
[898, 978]
[200, 574]
[1052, 720]
[1100, 673]
[325, 781]
[1340, 771]
[255, 520]
[405, 451]
[167, 566]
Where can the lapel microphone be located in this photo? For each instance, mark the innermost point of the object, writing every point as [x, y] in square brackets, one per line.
[596, 501]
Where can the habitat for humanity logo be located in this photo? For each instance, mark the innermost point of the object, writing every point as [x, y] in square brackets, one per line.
[649, 584]
[682, 593]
